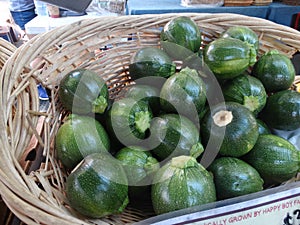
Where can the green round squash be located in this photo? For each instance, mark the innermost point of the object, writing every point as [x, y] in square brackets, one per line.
[173, 135]
[146, 93]
[78, 137]
[83, 91]
[182, 31]
[244, 34]
[181, 183]
[139, 165]
[262, 127]
[233, 177]
[97, 187]
[275, 158]
[151, 61]
[228, 57]
[282, 110]
[246, 90]
[184, 93]
[129, 120]
[234, 125]
[275, 70]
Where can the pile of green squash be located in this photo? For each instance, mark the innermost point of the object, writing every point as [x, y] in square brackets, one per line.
[197, 125]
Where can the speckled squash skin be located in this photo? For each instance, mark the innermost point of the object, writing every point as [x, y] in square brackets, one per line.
[228, 57]
[233, 177]
[246, 90]
[98, 186]
[276, 159]
[83, 91]
[241, 132]
[181, 183]
[282, 110]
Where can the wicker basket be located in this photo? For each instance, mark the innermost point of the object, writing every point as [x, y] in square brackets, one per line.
[291, 2]
[297, 83]
[6, 50]
[31, 179]
[237, 3]
[262, 2]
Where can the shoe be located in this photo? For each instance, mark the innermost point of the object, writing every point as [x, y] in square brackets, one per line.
[42, 93]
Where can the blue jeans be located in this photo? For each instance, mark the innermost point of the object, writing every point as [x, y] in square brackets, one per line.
[23, 17]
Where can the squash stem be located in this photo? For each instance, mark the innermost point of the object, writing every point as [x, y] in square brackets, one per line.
[223, 118]
[100, 104]
[183, 162]
[151, 166]
[251, 102]
[142, 121]
[197, 150]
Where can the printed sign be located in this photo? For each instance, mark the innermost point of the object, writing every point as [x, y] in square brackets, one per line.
[276, 206]
[284, 212]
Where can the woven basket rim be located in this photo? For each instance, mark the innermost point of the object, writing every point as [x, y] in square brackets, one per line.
[6, 50]
[20, 192]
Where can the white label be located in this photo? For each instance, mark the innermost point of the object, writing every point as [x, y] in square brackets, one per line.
[281, 212]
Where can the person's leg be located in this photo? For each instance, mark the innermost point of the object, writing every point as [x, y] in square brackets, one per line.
[21, 18]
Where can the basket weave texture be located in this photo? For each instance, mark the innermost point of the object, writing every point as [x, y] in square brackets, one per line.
[31, 179]
[6, 50]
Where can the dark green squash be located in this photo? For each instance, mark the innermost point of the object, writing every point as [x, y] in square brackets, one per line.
[244, 34]
[184, 93]
[78, 137]
[246, 90]
[182, 31]
[173, 135]
[97, 187]
[233, 126]
[233, 177]
[275, 158]
[228, 57]
[128, 121]
[282, 110]
[143, 92]
[83, 91]
[151, 62]
[275, 70]
[181, 183]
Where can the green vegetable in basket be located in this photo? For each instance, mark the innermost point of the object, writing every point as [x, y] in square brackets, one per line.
[97, 187]
[139, 164]
[83, 91]
[129, 121]
[173, 135]
[275, 70]
[147, 93]
[243, 33]
[140, 167]
[246, 90]
[262, 127]
[233, 177]
[275, 158]
[78, 137]
[232, 124]
[151, 61]
[228, 57]
[181, 183]
[182, 31]
[184, 93]
[282, 110]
